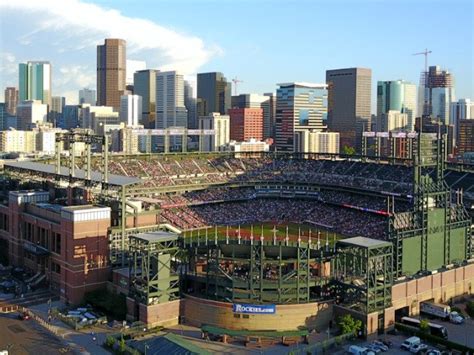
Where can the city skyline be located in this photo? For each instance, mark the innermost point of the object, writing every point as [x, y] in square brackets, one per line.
[191, 46]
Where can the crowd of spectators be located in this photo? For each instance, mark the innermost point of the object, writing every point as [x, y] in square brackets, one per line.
[194, 170]
[346, 221]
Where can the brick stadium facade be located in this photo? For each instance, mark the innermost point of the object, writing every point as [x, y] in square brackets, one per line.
[68, 245]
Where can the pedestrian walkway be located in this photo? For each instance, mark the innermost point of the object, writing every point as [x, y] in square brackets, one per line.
[81, 341]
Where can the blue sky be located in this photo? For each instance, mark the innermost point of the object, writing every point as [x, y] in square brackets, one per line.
[262, 42]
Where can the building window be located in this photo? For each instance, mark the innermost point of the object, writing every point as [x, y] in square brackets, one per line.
[55, 267]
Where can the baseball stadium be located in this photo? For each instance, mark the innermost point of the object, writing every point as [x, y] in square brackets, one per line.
[245, 241]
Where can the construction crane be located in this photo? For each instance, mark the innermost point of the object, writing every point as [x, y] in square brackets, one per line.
[424, 81]
[425, 53]
[236, 81]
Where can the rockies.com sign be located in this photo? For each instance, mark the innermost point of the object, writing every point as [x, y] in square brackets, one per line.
[253, 308]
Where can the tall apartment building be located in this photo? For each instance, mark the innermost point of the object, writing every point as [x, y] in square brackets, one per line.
[394, 121]
[144, 84]
[111, 72]
[131, 110]
[221, 125]
[397, 95]
[313, 141]
[465, 140]
[35, 82]
[436, 93]
[13, 141]
[246, 124]
[463, 109]
[87, 96]
[31, 113]
[349, 95]
[66, 246]
[266, 102]
[299, 106]
[213, 93]
[11, 100]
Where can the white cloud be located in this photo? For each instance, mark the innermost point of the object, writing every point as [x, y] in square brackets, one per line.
[72, 26]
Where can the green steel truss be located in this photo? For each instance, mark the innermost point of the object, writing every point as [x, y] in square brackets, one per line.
[153, 270]
[253, 271]
[363, 276]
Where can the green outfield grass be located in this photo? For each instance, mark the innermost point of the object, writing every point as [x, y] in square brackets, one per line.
[267, 230]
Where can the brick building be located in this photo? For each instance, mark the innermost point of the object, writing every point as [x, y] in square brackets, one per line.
[246, 123]
[65, 246]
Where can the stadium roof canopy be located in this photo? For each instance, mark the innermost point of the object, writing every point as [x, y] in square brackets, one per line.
[364, 242]
[159, 236]
[50, 169]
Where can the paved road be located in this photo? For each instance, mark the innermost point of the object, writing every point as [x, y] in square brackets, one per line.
[460, 333]
[28, 337]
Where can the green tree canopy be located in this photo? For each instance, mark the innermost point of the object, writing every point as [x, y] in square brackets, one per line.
[349, 325]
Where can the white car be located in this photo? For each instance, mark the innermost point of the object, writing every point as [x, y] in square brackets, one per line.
[456, 318]
[416, 348]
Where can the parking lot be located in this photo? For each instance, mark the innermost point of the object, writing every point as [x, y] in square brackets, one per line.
[27, 337]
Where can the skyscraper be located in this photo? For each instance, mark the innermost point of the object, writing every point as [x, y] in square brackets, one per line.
[87, 96]
[170, 108]
[349, 93]
[190, 103]
[436, 93]
[35, 82]
[56, 109]
[213, 93]
[11, 100]
[299, 106]
[397, 95]
[131, 110]
[111, 72]
[144, 84]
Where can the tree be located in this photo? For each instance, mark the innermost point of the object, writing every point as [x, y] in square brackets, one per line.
[109, 341]
[424, 326]
[347, 150]
[122, 345]
[349, 325]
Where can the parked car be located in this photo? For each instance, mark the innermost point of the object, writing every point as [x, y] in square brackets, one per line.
[358, 350]
[407, 344]
[434, 352]
[418, 348]
[456, 318]
[374, 348]
[385, 342]
[380, 345]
